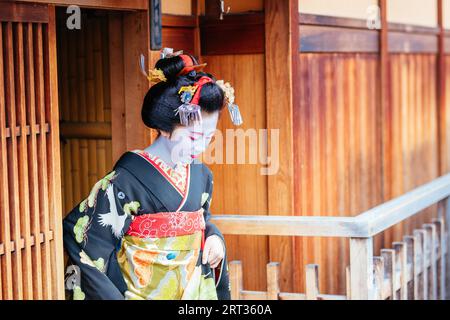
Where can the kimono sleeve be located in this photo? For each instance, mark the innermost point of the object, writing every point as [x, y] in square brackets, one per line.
[211, 228]
[92, 231]
[221, 273]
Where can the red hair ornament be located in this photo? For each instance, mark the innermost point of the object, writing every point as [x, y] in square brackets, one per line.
[190, 111]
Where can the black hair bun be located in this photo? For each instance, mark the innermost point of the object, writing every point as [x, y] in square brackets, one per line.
[172, 66]
[162, 99]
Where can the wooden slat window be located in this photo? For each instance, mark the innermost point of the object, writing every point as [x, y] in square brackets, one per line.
[30, 204]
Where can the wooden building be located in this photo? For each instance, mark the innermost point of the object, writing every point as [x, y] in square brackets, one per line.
[361, 105]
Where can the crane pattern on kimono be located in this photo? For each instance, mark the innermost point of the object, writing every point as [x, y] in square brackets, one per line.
[113, 218]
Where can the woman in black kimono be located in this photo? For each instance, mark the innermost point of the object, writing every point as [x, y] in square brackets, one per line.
[144, 231]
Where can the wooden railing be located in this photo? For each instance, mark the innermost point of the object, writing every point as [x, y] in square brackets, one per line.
[414, 268]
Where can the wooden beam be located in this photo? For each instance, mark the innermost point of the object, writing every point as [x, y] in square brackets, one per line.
[365, 225]
[276, 225]
[101, 4]
[335, 39]
[23, 12]
[400, 42]
[396, 210]
[281, 56]
[85, 130]
[354, 23]
[19, 245]
[178, 21]
[236, 34]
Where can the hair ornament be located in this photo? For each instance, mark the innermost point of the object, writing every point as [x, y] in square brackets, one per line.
[190, 111]
[168, 52]
[233, 109]
[187, 93]
[155, 76]
[187, 111]
[189, 65]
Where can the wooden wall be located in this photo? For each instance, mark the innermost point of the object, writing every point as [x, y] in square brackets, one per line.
[361, 135]
[338, 151]
[355, 150]
[240, 188]
[30, 201]
[414, 126]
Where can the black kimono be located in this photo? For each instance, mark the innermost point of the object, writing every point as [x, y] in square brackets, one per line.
[140, 234]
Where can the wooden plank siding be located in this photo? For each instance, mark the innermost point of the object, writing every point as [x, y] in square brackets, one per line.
[446, 102]
[30, 205]
[414, 130]
[231, 195]
[340, 153]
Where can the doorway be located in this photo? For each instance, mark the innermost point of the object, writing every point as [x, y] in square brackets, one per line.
[100, 92]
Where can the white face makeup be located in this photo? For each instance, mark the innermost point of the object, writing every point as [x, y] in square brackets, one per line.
[189, 142]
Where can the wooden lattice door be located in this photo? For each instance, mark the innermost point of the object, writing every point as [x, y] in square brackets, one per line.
[31, 259]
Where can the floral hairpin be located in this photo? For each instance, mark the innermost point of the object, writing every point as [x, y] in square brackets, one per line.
[233, 109]
[156, 75]
[188, 111]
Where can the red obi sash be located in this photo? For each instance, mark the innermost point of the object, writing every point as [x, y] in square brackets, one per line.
[168, 224]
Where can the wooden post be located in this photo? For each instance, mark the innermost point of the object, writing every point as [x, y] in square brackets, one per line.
[347, 283]
[389, 270]
[401, 255]
[440, 229]
[378, 269]
[135, 41]
[54, 164]
[422, 240]
[281, 54]
[312, 282]
[432, 239]
[447, 241]
[361, 268]
[236, 279]
[273, 280]
[413, 288]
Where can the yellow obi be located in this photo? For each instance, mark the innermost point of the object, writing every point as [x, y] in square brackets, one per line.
[165, 268]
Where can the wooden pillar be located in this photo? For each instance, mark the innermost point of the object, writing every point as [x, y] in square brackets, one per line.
[441, 95]
[385, 126]
[54, 163]
[361, 269]
[281, 55]
[129, 37]
[117, 92]
[447, 245]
